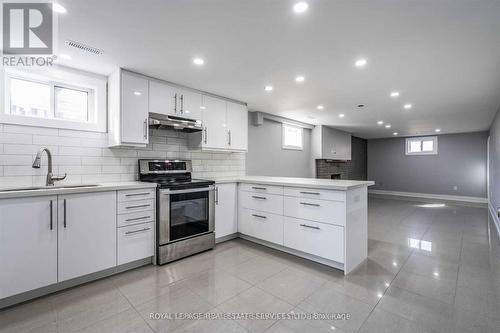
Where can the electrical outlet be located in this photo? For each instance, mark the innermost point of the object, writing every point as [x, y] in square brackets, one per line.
[455, 188]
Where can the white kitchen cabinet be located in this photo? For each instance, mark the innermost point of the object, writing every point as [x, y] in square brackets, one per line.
[128, 109]
[214, 123]
[162, 98]
[190, 105]
[261, 225]
[225, 126]
[135, 242]
[28, 244]
[87, 233]
[226, 210]
[171, 100]
[237, 126]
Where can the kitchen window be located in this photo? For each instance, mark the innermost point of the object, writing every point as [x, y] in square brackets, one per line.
[58, 98]
[427, 145]
[292, 137]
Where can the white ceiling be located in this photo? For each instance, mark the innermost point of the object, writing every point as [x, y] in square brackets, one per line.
[442, 56]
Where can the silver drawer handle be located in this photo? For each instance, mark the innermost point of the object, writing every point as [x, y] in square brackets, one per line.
[315, 193]
[137, 218]
[136, 231]
[259, 216]
[261, 198]
[309, 226]
[309, 204]
[138, 206]
[136, 194]
[259, 188]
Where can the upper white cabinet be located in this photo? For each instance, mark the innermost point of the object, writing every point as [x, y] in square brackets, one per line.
[87, 233]
[330, 143]
[237, 125]
[173, 101]
[225, 126]
[28, 244]
[128, 109]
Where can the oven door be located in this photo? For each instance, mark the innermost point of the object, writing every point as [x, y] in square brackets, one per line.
[185, 213]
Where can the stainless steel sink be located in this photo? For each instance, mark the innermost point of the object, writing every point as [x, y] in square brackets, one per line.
[38, 188]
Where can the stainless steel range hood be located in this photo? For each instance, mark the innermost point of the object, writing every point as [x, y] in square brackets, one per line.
[161, 121]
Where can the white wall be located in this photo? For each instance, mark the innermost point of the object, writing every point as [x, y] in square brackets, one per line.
[86, 158]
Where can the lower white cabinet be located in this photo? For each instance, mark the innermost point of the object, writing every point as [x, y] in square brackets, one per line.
[261, 225]
[28, 244]
[87, 233]
[226, 210]
[320, 239]
[135, 242]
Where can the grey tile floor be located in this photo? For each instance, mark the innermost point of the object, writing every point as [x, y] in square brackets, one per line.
[430, 269]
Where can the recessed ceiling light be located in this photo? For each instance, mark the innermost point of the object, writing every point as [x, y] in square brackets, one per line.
[300, 7]
[395, 94]
[395, 133]
[436, 274]
[341, 115]
[300, 79]
[58, 8]
[198, 61]
[407, 106]
[380, 122]
[437, 130]
[320, 107]
[268, 88]
[360, 63]
[137, 93]
[388, 126]
[202, 107]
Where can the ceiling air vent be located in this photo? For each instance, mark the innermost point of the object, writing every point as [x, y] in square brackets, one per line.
[84, 47]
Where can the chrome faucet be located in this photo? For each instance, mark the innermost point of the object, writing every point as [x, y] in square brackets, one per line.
[50, 177]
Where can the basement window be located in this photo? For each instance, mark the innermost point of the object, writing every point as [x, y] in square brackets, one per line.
[292, 137]
[54, 98]
[427, 145]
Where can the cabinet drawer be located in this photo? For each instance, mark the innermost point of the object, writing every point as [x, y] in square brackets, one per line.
[265, 226]
[135, 206]
[135, 242]
[320, 239]
[259, 188]
[135, 218]
[310, 193]
[331, 212]
[270, 203]
[139, 194]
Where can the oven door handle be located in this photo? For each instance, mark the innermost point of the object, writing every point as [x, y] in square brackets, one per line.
[190, 190]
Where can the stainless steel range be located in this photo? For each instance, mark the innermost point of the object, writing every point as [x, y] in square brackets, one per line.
[184, 209]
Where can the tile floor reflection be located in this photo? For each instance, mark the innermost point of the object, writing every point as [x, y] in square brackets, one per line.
[431, 268]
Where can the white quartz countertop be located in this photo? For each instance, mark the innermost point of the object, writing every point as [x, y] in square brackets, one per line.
[24, 191]
[328, 184]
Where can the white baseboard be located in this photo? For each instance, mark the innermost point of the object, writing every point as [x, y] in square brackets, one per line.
[494, 216]
[431, 196]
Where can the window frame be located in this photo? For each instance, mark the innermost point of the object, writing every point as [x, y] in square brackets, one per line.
[421, 139]
[93, 85]
[290, 147]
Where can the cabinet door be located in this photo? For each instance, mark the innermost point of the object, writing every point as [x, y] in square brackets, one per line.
[214, 123]
[163, 99]
[190, 104]
[237, 125]
[226, 210]
[87, 233]
[134, 109]
[28, 244]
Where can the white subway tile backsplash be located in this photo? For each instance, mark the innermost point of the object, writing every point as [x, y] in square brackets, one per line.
[85, 157]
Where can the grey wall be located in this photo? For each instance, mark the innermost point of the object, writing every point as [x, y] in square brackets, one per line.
[265, 156]
[495, 162]
[461, 161]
